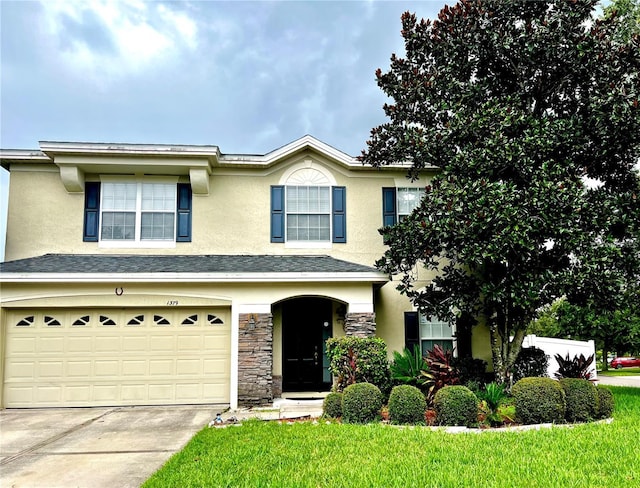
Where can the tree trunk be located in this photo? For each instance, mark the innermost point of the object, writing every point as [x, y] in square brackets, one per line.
[504, 354]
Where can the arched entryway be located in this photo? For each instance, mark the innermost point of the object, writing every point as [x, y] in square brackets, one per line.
[307, 323]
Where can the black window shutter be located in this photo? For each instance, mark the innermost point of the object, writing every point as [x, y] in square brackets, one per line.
[183, 227]
[411, 330]
[388, 207]
[91, 211]
[277, 213]
[339, 200]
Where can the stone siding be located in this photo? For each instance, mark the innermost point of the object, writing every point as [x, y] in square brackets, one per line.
[360, 324]
[255, 359]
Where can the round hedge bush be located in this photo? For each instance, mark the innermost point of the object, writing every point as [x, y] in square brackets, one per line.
[539, 400]
[407, 405]
[361, 403]
[605, 402]
[332, 405]
[582, 399]
[456, 405]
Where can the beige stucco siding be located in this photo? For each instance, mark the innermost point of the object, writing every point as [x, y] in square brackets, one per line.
[42, 217]
[234, 218]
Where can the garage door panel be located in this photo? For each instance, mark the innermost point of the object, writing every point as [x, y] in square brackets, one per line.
[91, 363]
[161, 392]
[162, 343]
[135, 343]
[107, 343]
[82, 344]
[78, 369]
[23, 370]
[189, 342]
[106, 368]
[188, 366]
[134, 368]
[48, 394]
[161, 367]
[77, 395]
[48, 344]
[24, 345]
[51, 369]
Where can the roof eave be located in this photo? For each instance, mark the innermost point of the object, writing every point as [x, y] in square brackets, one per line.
[279, 277]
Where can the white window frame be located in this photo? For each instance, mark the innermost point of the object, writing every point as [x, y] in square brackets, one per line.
[288, 212]
[139, 243]
[309, 174]
[413, 189]
[423, 319]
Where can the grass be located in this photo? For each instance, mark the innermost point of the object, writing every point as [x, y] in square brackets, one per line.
[269, 454]
[621, 372]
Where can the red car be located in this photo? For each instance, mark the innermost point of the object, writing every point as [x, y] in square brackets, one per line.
[625, 363]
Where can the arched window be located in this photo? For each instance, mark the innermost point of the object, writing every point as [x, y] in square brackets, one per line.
[308, 207]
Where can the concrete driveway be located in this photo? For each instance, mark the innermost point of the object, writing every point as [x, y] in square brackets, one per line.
[93, 447]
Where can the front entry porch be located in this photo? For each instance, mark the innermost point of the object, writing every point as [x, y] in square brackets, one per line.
[282, 354]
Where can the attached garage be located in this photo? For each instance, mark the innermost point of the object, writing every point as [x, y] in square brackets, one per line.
[107, 357]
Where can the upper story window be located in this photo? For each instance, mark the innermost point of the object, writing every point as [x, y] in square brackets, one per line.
[308, 213]
[397, 203]
[308, 209]
[137, 213]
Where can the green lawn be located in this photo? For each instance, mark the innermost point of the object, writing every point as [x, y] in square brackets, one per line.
[269, 454]
[621, 372]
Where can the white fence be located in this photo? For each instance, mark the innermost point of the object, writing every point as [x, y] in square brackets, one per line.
[552, 346]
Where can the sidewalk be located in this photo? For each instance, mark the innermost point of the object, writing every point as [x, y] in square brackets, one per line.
[619, 380]
[283, 408]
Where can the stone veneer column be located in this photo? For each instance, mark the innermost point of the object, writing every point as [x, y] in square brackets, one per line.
[255, 359]
[360, 324]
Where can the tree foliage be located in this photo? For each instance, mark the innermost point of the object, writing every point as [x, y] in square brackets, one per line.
[518, 104]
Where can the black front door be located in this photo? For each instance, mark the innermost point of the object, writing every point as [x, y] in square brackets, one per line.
[306, 324]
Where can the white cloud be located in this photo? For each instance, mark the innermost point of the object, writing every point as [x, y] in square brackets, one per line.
[124, 38]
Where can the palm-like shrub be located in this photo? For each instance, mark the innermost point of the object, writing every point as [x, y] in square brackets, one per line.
[493, 395]
[332, 405]
[456, 405]
[407, 405]
[406, 367]
[361, 403]
[539, 400]
[582, 399]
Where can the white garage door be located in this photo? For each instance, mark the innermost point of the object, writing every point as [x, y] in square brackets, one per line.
[116, 357]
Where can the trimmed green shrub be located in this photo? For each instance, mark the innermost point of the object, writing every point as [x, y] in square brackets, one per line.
[407, 405]
[361, 403]
[332, 405]
[606, 403]
[359, 360]
[531, 362]
[456, 405]
[539, 400]
[582, 399]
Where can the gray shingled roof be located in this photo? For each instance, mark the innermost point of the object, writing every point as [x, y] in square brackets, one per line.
[91, 263]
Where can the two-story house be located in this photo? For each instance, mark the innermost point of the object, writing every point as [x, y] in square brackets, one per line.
[141, 274]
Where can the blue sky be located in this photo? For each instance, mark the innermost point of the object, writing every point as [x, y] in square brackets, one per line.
[248, 77]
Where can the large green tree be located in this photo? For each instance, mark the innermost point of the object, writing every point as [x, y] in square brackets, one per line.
[531, 112]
